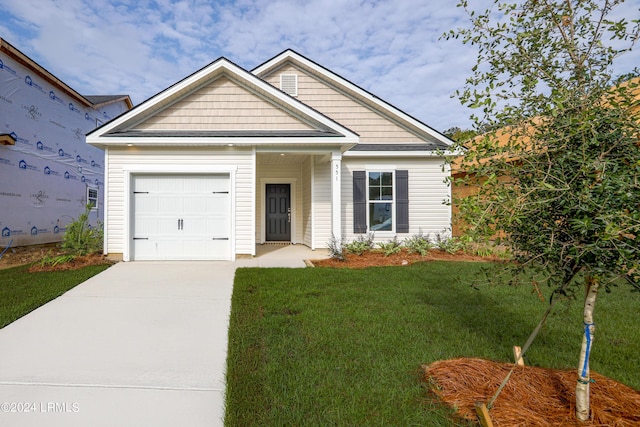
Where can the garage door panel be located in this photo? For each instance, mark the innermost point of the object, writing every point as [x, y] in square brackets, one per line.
[181, 217]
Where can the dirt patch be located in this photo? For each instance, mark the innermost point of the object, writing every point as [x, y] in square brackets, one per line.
[34, 254]
[532, 397]
[377, 258]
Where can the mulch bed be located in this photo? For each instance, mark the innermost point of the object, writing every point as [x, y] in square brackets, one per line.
[532, 397]
[377, 258]
[75, 264]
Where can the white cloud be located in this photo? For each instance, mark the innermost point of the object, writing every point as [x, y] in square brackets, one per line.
[139, 47]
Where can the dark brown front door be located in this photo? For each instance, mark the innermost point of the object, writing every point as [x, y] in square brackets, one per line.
[278, 202]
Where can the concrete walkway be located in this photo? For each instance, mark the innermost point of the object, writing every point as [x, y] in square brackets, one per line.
[141, 344]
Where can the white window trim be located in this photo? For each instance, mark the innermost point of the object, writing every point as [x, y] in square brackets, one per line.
[94, 206]
[383, 233]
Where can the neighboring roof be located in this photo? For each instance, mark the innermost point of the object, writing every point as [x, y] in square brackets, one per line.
[101, 100]
[7, 139]
[115, 131]
[23, 59]
[394, 114]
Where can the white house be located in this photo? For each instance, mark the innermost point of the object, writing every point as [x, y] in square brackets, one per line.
[290, 152]
[48, 174]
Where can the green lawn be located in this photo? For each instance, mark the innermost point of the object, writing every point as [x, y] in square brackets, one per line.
[345, 347]
[22, 292]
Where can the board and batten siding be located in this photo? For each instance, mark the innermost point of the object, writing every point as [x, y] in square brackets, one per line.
[122, 159]
[222, 105]
[372, 126]
[427, 192]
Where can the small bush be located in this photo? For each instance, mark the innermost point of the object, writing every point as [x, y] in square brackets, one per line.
[53, 261]
[448, 244]
[81, 238]
[362, 244]
[391, 247]
[335, 248]
[418, 243]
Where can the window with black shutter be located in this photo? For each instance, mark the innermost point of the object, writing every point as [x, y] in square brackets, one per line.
[378, 196]
[359, 202]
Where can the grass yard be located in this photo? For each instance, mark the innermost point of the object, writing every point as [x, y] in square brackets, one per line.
[22, 292]
[319, 346]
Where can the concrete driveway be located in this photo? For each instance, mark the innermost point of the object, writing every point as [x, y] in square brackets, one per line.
[141, 344]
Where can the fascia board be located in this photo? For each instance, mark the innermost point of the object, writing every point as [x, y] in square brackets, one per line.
[340, 81]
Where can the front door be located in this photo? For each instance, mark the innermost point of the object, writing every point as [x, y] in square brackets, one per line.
[278, 207]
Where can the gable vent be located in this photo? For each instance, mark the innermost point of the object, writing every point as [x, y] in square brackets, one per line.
[289, 84]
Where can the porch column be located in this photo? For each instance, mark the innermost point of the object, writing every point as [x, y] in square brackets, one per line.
[336, 202]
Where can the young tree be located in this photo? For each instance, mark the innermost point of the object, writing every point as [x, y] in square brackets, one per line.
[460, 135]
[559, 182]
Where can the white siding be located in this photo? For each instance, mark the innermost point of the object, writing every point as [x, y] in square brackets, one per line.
[124, 159]
[307, 194]
[322, 203]
[427, 192]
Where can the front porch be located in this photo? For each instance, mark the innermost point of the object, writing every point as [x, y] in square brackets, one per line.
[298, 200]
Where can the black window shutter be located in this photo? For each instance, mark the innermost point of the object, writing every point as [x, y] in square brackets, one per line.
[402, 201]
[359, 202]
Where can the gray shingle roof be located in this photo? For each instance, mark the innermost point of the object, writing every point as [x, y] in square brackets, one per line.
[226, 133]
[400, 147]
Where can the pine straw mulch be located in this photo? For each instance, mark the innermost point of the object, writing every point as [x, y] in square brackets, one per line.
[75, 264]
[376, 258]
[35, 254]
[532, 397]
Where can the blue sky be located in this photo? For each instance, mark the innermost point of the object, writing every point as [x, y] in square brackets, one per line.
[139, 47]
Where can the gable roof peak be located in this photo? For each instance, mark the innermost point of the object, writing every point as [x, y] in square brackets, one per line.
[310, 66]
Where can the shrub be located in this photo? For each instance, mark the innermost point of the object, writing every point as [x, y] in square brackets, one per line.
[391, 247]
[53, 261]
[335, 248]
[418, 243]
[81, 238]
[448, 244]
[362, 244]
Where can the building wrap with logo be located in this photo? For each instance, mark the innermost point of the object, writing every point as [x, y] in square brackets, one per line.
[45, 176]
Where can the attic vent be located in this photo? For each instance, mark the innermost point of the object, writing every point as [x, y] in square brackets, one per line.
[289, 84]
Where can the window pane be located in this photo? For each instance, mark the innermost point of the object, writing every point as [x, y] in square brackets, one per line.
[374, 178]
[380, 216]
[374, 193]
[387, 178]
[387, 193]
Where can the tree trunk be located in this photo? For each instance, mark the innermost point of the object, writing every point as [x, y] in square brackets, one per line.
[582, 389]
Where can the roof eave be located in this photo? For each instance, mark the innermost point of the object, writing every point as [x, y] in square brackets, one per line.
[151, 141]
[396, 154]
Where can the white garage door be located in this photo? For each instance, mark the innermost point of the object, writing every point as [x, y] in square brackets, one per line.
[181, 217]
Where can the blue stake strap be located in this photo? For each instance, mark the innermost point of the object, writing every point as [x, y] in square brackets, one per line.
[587, 334]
